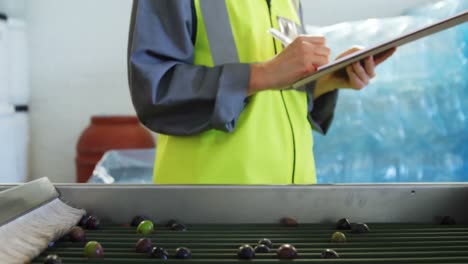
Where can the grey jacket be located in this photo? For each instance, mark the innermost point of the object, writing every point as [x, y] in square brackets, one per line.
[174, 97]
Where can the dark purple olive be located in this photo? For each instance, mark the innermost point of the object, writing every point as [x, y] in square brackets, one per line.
[92, 223]
[159, 253]
[329, 254]
[262, 249]
[183, 253]
[448, 220]
[178, 227]
[286, 251]
[288, 221]
[266, 242]
[143, 245]
[51, 244]
[170, 223]
[77, 234]
[138, 219]
[52, 259]
[360, 228]
[343, 224]
[246, 252]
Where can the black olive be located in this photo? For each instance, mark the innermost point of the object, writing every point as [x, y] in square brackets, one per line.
[183, 253]
[178, 227]
[266, 242]
[360, 228]
[262, 249]
[246, 252]
[159, 252]
[343, 224]
[92, 223]
[52, 259]
[329, 253]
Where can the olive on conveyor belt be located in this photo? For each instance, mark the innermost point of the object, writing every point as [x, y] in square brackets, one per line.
[288, 221]
[170, 223]
[183, 253]
[343, 224]
[338, 237]
[77, 234]
[265, 241]
[159, 253]
[178, 227]
[261, 249]
[246, 252]
[93, 250]
[145, 227]
[52, 259]
[143, 245]
[287, 251]
[329, 254]
[448, 220]
[83, 220]
[92, 222]
[360, 228]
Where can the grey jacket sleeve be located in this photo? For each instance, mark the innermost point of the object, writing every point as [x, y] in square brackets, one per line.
[322, 109]
[170, 94]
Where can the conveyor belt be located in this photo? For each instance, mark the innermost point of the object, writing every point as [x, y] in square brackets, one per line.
[387, 243]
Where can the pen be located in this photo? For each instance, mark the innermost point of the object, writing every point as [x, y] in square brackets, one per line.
[280, 36]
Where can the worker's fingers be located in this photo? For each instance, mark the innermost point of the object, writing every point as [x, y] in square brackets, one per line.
[319, 50]
[354, 80]
[370, 66]
[311, 39]
[361, 72]
[381, 57]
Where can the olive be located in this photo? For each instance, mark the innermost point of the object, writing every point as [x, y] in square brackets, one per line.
[170, 223]
[159, 252]
[92, 222]
[448, 220]
[343, 224]
[52, 259]
[266, 242]
[360, 228]
[77, 234]
[286, 251]
[145, 227]
[262, 249]
[338, 237]
[329, 253]
[178, 227]
[183, 253]
[246, 252]
[93, 250]
[143, 245]
[288, 221]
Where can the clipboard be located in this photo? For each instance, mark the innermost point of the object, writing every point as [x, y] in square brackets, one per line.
[379, 48]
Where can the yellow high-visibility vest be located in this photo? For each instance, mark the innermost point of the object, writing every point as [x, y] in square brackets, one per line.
[272, 141]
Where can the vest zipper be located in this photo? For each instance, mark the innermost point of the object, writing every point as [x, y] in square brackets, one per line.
[284, 102]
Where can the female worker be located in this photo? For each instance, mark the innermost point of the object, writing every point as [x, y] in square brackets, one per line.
[207, 77]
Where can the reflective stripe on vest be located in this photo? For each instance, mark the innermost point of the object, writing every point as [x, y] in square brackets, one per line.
[272, 142]
[222, 45]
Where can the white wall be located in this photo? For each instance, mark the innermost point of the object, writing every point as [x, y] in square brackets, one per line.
[78, 67]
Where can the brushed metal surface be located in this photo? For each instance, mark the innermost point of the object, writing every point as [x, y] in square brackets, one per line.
[267, 204]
